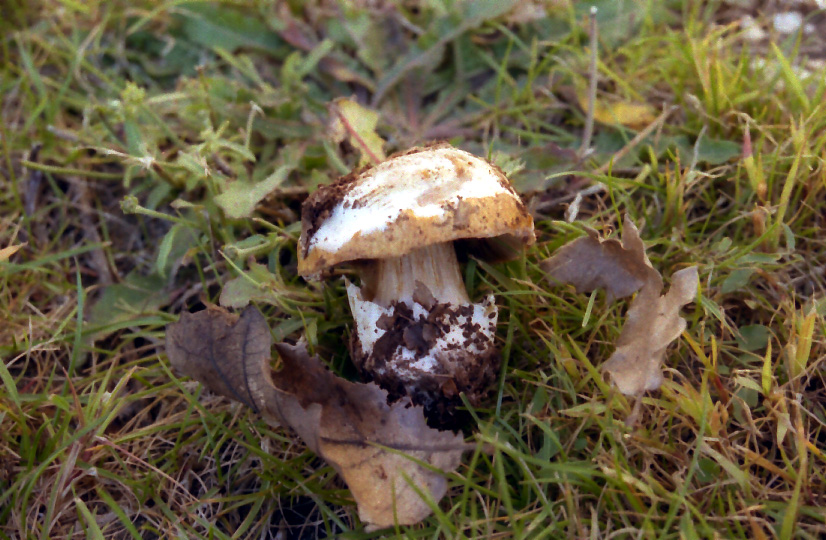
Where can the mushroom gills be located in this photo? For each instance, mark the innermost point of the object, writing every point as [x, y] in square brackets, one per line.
[417, 332]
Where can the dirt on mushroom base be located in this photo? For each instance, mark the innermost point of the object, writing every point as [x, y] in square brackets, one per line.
[413, 358]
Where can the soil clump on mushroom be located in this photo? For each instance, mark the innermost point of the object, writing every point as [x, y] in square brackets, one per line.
[436, 388]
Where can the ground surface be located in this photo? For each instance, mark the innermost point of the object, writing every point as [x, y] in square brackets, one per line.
[167, 105]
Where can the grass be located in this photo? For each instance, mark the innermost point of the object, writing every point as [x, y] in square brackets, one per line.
[162, 106]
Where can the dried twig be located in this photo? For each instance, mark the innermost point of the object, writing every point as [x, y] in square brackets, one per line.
[592, 88]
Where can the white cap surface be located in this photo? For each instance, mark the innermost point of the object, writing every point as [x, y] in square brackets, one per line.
[426, 196]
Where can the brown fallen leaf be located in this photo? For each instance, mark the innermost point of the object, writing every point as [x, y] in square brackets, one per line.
[375, 447]
[653, 322]
[218, 349]
[588, 263]
[622, 268]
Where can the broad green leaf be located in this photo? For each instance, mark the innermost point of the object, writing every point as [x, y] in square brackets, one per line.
[240, 198]
[709, 151]
[717, 151]
[736, 280]
[138, 295]
[441, 32]
[239, 292]
[753, 337]
[173, 247]
[219, 25]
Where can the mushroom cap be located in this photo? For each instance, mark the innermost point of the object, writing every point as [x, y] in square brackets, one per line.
[421, 197]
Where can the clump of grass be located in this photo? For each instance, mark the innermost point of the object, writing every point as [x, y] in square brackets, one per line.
[164, 106]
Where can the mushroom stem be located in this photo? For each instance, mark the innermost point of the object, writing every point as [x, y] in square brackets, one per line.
[431, 271]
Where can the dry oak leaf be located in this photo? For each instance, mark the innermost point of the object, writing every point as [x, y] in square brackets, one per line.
[350, 425]
[653, 321]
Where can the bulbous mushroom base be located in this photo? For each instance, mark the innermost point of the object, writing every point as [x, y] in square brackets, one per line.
[427, 350]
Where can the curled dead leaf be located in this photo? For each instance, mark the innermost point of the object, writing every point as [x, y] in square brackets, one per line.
[384, 452]
[588, 263]
[369, 442]
[653, 321]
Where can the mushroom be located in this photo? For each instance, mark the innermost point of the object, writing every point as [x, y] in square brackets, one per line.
[400, 224]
